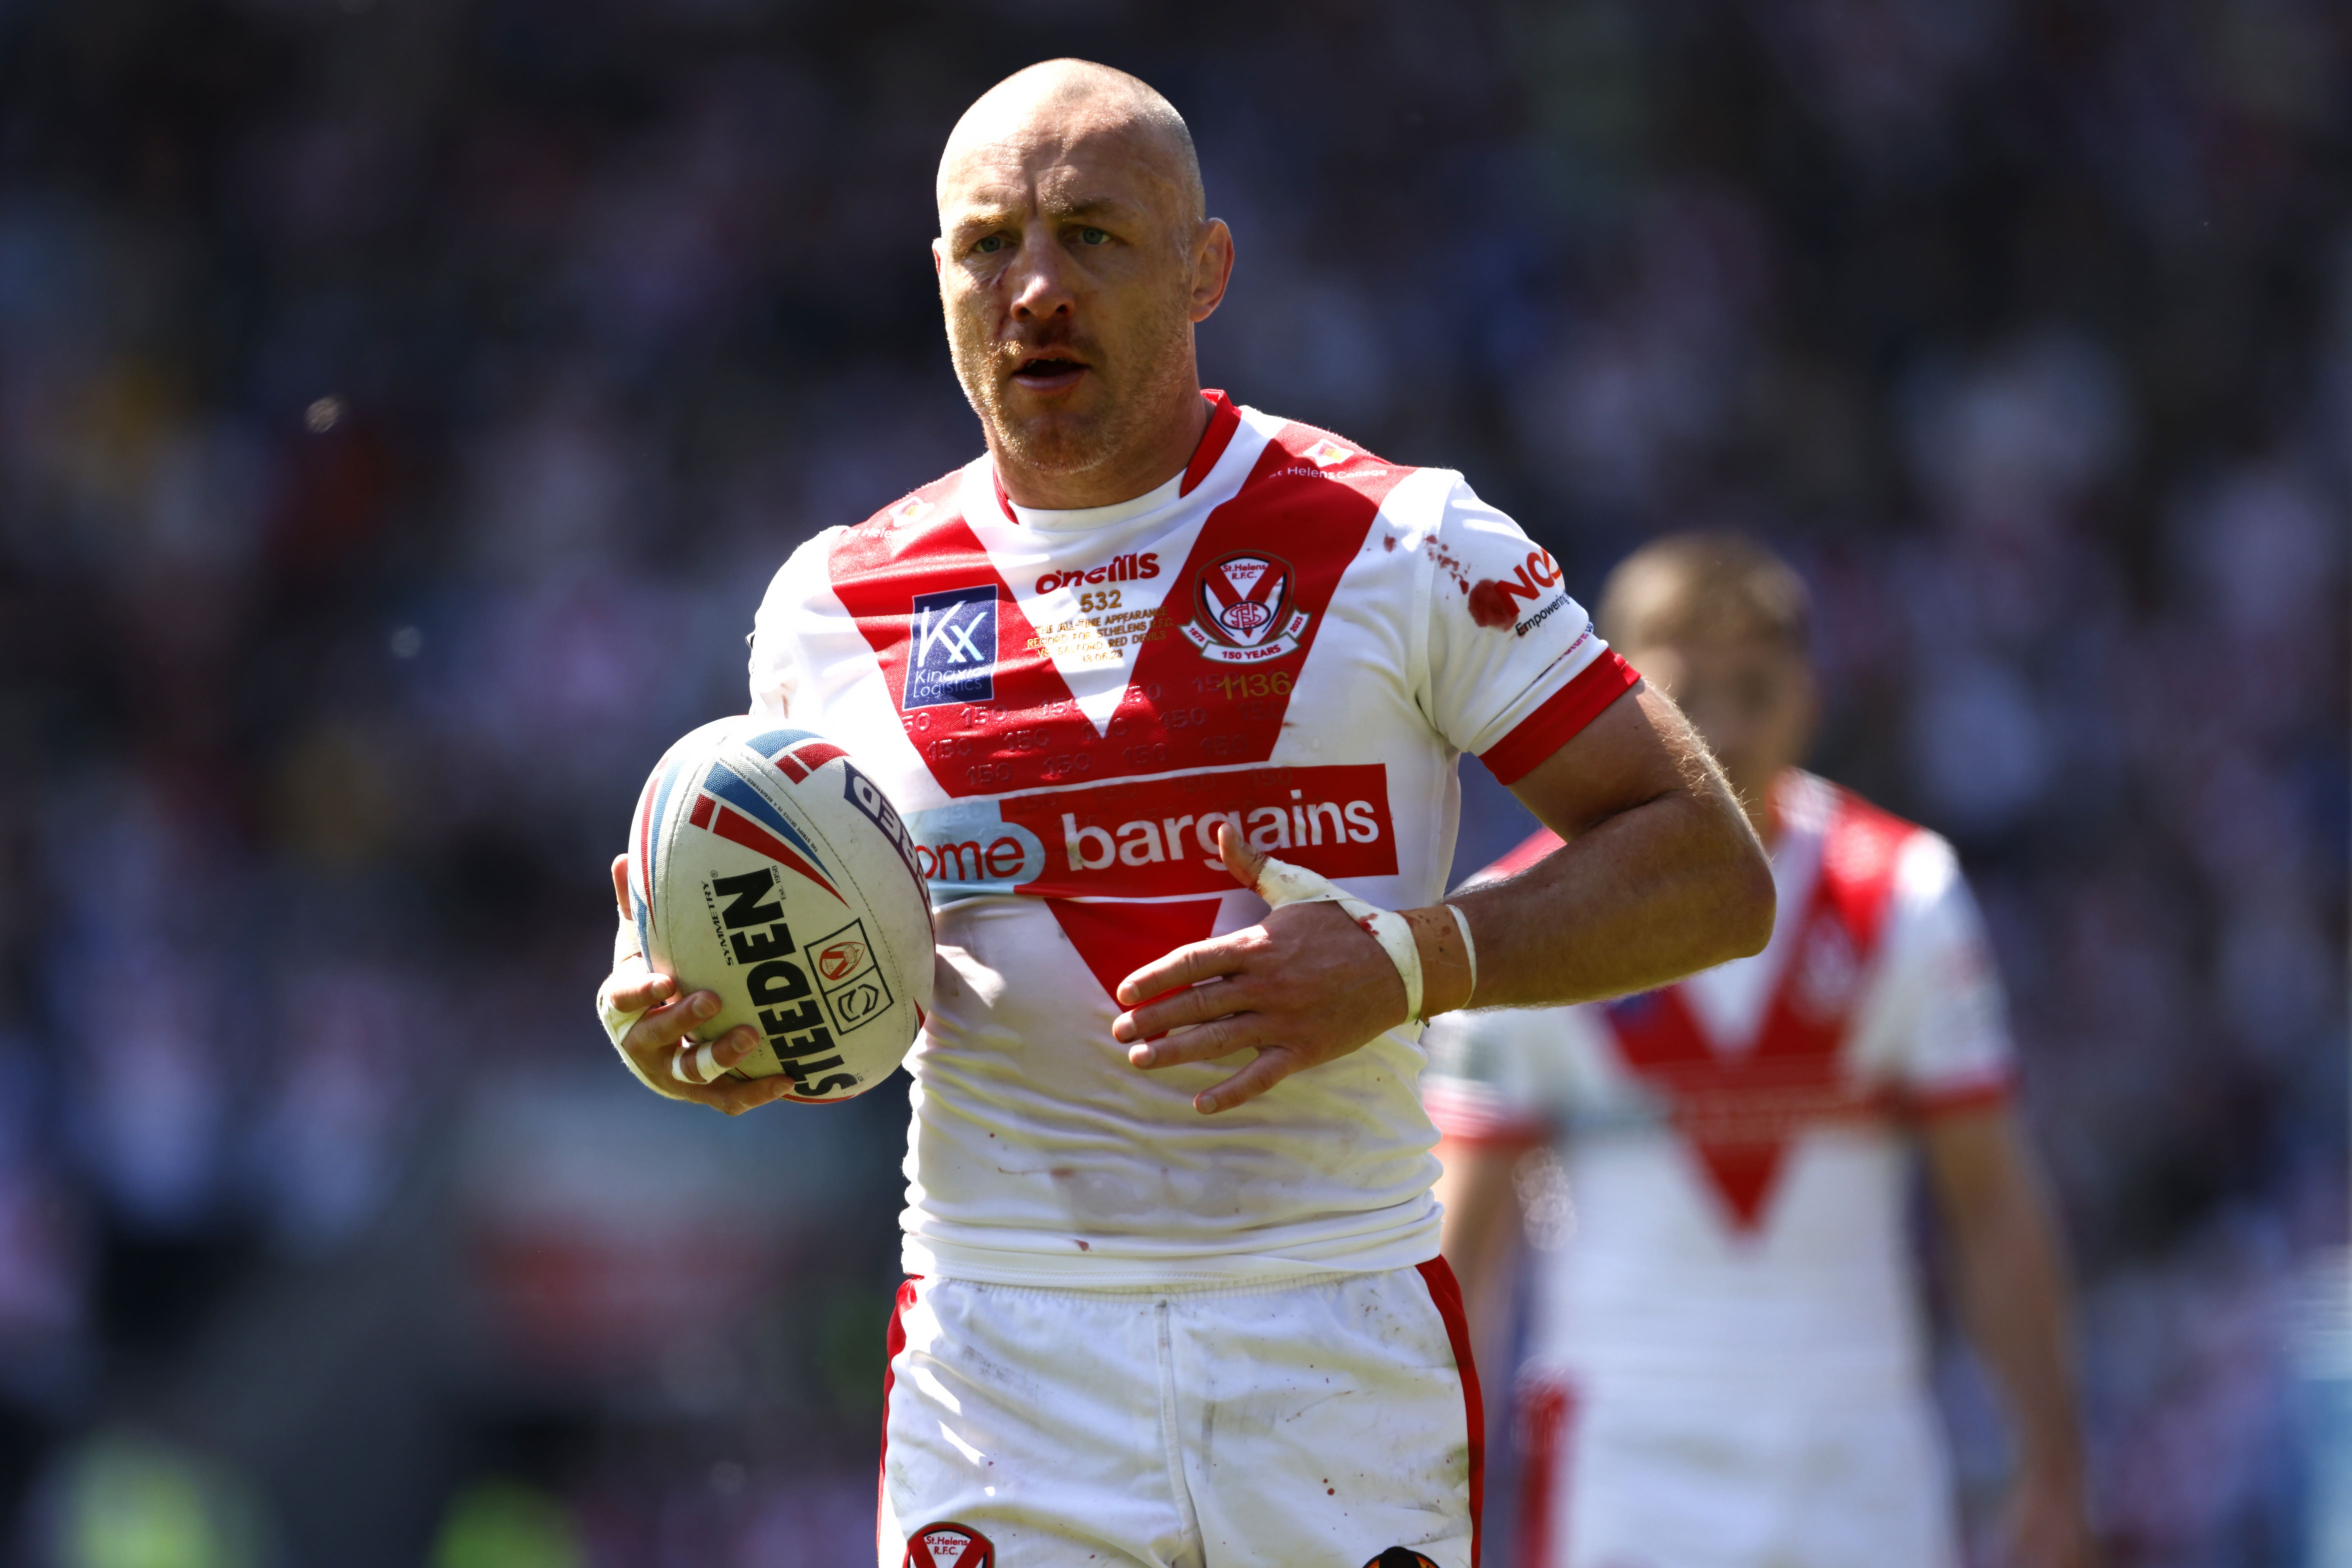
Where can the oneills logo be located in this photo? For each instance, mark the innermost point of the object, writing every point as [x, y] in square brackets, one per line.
[1242, 612]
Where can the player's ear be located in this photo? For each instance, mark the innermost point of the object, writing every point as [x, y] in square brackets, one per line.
[1213, 268]
[939, 256]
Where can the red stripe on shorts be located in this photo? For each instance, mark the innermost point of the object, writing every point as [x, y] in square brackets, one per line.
[894, 1340]
[1445, 1290]
[1547, 1410]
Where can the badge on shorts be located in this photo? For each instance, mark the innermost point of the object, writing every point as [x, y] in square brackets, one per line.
[950, 1546]
[1400, 1557]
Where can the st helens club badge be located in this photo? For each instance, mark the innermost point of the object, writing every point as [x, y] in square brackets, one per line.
[1242, 611]
[949, 1545]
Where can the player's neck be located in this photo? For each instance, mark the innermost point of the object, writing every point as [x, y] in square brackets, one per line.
[1162, 447]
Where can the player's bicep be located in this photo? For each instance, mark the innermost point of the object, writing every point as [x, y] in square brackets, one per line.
[1636, 749]
[1978, 1162]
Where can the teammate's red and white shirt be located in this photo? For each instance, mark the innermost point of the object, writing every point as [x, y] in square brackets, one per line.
[1292, 634]
[1735, 1143]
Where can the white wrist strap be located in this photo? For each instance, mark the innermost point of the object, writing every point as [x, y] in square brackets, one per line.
[1279, 883]
[1469, 947]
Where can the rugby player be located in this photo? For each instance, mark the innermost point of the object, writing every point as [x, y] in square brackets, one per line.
[1727, 1369]
[1174, 1292]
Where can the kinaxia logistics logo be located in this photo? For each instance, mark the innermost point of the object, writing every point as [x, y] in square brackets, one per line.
[1242, 612]
[952, 652]
[1155, 839]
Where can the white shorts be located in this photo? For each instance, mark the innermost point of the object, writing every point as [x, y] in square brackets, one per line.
[1786, 1480]
[1330, 1422]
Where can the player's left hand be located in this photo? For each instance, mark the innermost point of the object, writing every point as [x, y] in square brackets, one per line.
[1302, 986]
[2044, 1526]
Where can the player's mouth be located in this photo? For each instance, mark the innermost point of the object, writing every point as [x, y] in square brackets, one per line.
[1049, 373]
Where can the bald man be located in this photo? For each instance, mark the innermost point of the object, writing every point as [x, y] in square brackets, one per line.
[1171, 693]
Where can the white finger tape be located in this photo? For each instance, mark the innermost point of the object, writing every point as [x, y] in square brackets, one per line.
[1279, 883]
[616, 1022]
[697, 1066]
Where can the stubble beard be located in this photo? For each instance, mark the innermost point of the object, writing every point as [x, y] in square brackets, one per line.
[1067, 443]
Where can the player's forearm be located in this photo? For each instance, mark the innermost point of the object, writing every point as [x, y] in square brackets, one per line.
[2013, 1303]
[1674, 885]
[1474, 1188]
[2013, 1296]
[1481, 1214]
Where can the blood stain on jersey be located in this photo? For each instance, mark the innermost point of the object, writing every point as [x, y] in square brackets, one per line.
[949, 1545]
[1491, 607]
[1445, 560]
[1400, 1557]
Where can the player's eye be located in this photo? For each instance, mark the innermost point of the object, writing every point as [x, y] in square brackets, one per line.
[1093, 236]
[990, 244]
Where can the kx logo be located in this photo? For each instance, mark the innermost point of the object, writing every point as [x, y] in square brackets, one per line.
[954, 651]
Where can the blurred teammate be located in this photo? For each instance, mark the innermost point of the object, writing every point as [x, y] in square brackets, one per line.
[1147, 637]
[1726, 1367]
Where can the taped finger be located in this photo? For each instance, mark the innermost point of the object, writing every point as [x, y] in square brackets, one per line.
[696, 1066]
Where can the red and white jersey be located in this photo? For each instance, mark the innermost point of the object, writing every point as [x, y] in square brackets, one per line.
[1292, 635]
[1734, 1143]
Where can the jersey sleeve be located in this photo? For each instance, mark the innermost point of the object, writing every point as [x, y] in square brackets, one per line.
[1941, 1014]
[1482, 1087]
[1515, 668]
[775, 648]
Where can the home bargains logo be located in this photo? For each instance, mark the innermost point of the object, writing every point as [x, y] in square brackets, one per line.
[1157, 837]
[1242, 612]
[952, 652]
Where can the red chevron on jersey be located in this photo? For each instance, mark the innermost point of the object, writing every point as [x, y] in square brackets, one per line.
[1741, 1111]
[1183, 707]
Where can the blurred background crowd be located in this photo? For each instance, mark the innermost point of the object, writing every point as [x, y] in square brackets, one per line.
[403, 403]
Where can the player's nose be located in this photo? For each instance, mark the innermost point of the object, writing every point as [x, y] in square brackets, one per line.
[1040, 287]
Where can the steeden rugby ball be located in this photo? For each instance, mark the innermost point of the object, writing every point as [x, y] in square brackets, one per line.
[764, 867]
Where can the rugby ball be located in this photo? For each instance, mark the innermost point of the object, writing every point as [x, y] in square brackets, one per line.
[764, 867]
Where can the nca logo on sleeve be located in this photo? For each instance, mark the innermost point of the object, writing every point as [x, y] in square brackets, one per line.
[952, 652]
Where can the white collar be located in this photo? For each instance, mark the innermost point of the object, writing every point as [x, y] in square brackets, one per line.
[1086, 519]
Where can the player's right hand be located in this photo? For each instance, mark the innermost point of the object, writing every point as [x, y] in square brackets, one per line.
[659, 1047]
